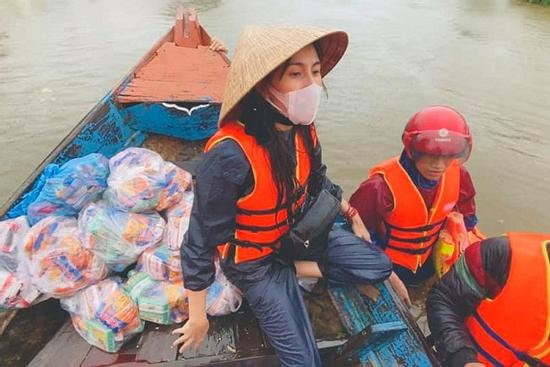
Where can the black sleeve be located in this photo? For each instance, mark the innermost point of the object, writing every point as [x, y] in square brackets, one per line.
[219, 181]
[478, 274]
[319, 175]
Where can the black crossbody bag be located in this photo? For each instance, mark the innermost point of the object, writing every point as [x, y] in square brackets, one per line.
[318, 215]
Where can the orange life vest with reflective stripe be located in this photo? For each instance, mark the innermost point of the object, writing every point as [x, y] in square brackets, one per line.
[517, 320]
[260, 224]
[411, 228]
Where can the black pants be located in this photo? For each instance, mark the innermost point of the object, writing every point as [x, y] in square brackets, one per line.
[271, 288]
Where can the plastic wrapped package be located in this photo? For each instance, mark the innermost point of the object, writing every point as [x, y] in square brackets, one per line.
[177, 182]
[104, 314]
[158, 301]
[16, 290]
[55, 259]
[223, 297]
[160, 264]
[136, 180]
[71, 187]
[116, 236]
[140, 181]
[177, 221]
[453, 241]
[12, 233]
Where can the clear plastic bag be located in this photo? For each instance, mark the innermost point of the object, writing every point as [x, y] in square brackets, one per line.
[177, 221]
[55, 259]
[160, 264]
[16, 290]
[104, 314]
[140, 180]
[177, 182]
[137, 177]
[223, 297]
[12, 233]
[116, 236]
[159, 301]
[71, 187]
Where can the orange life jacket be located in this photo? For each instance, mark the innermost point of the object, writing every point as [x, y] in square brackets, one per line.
[517, 320]
[411, 228]
[260, 223]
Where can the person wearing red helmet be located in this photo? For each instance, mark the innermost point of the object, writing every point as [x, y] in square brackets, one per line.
[405, 200]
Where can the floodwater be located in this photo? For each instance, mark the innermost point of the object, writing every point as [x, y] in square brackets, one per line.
[488, 58]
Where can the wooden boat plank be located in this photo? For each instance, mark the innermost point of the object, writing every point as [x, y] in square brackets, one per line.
[66, 348]
[250, 340]
[358, 312]
[97, 357]
[29, 331]
[156, 344]
[219, 344]
[166, 76]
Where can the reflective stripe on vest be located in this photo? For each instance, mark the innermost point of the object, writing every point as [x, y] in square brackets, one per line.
[412, 229]
[515, 326]
[259, 222]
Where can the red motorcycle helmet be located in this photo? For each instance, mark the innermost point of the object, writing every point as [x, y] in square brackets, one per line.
[438, 131]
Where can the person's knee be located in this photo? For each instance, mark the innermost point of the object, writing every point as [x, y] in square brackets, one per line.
[354, 260]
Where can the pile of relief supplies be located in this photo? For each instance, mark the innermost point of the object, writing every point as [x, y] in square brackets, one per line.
[103, 236]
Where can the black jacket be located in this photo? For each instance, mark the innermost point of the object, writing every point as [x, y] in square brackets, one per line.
[222, 177]
[480, 273]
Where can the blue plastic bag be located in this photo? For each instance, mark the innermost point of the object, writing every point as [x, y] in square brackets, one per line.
[70, 188]
[21, 207]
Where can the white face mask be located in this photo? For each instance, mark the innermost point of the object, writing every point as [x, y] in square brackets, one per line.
[301, 105]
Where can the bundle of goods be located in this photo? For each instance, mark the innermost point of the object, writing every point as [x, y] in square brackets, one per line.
[177, 182]
[223, 297]
[12, 234]
[453, 240]
[55, 259]
[116, 236]
[140, 180]
[70, 187]
[104, 315]
[16, 290]
[177, 221]
[158, 301]
[161, 264]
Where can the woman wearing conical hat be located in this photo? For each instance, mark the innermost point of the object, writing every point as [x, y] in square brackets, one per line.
[253, 191]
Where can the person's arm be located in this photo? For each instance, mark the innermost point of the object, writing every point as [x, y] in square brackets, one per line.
[354, 220]
[478, 274]
[373, 201]
[466, 200]
[219, 183]
[195, 329]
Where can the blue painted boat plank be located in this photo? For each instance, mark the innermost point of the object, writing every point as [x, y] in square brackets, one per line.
[357, 312]
[183, 120]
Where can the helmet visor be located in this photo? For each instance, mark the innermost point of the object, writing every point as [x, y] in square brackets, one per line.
[441, 142]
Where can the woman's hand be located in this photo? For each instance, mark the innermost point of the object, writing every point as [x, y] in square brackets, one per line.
[474, 364]
[192, 333]
[217, 45]
[400, 289]
[355, 221]
[359, 229]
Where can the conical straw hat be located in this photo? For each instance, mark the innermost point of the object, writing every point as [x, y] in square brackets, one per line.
[261, 49]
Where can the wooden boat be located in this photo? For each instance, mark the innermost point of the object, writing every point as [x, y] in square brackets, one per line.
[170, 103]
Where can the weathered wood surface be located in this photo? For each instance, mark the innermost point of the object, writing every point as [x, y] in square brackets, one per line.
[66, 348]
